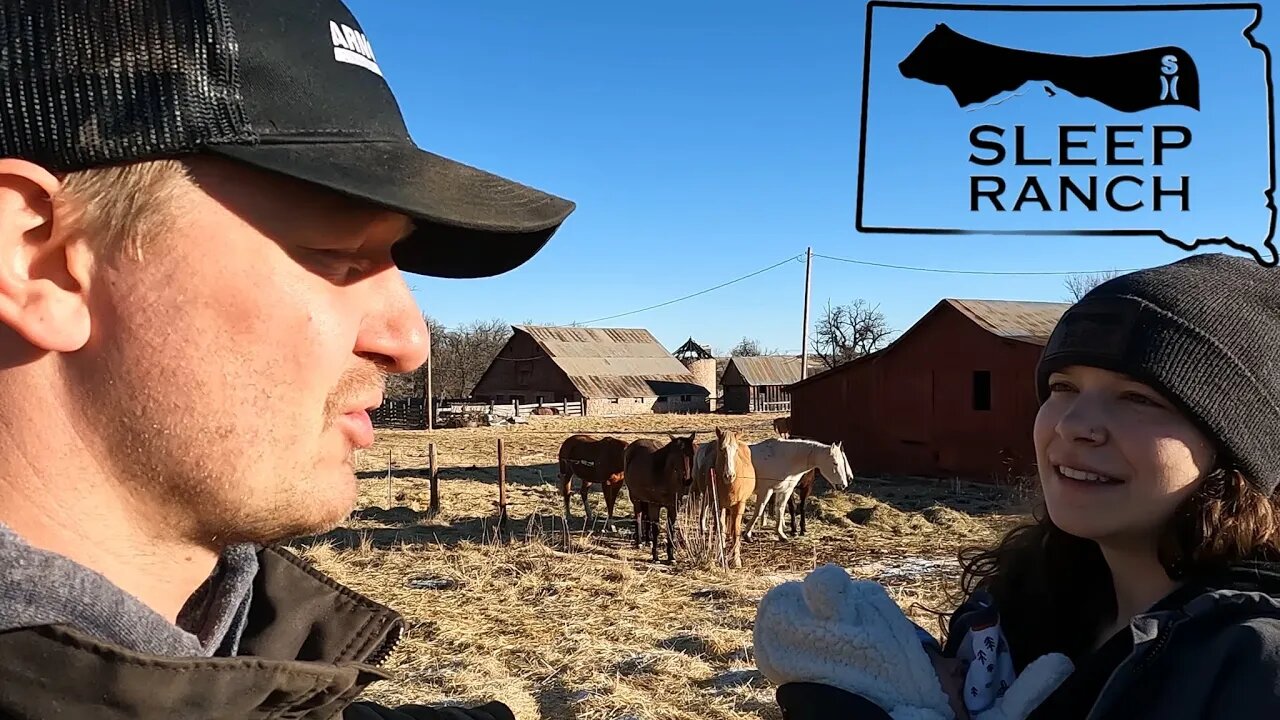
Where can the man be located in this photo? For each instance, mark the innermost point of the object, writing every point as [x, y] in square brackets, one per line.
[203, 206]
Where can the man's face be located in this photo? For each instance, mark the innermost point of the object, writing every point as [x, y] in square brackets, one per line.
[227, 372]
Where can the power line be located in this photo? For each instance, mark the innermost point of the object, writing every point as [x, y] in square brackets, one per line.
[800, 258]
[793, 258]
[970, 272]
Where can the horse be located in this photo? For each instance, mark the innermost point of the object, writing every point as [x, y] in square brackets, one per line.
[704, 461]
[782, 426]
[779, 465]
[592, 460]
[734, 482]
[804, 488]
[796, 505]
[656, 477]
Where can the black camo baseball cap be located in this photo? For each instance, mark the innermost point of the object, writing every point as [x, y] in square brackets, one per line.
[289, 86]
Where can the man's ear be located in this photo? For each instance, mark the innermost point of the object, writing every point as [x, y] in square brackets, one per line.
[43, 273]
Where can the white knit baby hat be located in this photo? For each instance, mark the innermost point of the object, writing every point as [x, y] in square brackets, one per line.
[833, 630]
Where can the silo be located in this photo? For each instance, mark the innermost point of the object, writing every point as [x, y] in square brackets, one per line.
[702, 365]
[704, 371]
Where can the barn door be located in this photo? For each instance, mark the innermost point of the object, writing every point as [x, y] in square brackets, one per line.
[915, 408]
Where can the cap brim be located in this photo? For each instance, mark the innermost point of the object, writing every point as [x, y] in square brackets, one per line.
[471, 223]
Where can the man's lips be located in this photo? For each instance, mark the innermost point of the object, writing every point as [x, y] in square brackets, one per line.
[358, 427]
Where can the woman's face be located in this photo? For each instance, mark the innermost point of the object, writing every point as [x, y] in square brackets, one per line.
[1115, 457]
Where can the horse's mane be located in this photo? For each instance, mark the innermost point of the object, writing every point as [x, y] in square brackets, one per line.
[797, 441]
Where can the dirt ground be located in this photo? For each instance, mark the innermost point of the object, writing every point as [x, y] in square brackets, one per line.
[587, 626]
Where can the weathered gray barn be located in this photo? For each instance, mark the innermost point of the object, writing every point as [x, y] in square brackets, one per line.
[756, 383]
[612, 371]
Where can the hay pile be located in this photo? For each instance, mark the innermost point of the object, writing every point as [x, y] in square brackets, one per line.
[558, 635]
[587, 627]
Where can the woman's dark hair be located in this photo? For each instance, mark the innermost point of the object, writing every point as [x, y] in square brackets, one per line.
[1053, 590]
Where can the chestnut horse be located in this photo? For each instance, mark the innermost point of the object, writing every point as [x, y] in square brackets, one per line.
[656, 477]
[782, 426]
[592, 460]
[734, 482]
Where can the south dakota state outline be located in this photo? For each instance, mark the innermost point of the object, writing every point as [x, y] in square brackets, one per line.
[1151, 121]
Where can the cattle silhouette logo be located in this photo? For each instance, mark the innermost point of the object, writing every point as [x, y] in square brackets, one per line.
[975, 72]
[1069, 120]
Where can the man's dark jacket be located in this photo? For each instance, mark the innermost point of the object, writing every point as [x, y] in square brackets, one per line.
[310, 647]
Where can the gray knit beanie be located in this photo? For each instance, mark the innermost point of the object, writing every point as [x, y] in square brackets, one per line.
[1205, 332]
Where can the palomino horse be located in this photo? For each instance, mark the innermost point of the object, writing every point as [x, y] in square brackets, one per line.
[656, 476]
[592, 460]
[704, 462]
[734, 482]
[780, 463]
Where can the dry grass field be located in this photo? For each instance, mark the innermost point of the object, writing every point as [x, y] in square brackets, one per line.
[588, 627]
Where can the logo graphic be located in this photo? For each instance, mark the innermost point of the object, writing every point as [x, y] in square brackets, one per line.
[1059, 120]
[352, 47]
[976, 72]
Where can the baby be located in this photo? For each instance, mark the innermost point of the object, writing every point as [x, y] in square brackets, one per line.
[835, 631]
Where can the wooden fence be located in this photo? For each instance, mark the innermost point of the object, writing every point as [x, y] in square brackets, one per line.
[410, 413]
[456, 407]
[433, 480]
[401, 414]
[762, 405]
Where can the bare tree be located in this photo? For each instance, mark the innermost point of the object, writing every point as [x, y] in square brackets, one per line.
[847, 332]
[464, 353]
[750, 347]
[1081, 283]
[459, 356]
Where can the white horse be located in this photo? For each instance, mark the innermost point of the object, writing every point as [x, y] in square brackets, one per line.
[781, 462]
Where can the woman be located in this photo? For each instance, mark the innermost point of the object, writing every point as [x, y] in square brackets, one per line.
[1152, 561]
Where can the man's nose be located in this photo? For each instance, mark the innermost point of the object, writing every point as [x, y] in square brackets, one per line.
[395, 331]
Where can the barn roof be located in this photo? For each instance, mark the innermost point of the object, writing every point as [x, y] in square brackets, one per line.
[760, 370]
[1015, 319]
[614, 362]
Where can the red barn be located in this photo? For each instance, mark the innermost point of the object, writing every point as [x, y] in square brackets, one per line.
[954, 396]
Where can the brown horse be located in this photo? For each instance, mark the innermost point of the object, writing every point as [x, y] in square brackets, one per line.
[782, 426]
[656, 476]
[734, 482]
[592, 460]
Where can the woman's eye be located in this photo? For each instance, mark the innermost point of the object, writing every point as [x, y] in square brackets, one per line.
[1140, 399]
[1060, 387]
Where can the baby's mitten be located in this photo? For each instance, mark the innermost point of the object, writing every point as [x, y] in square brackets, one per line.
[832, 630]
[1036, 683]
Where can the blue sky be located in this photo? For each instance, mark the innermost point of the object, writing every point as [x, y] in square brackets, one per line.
[705, 141]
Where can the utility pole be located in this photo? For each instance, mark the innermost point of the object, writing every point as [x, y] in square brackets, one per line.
[431, 398]
[804, 336]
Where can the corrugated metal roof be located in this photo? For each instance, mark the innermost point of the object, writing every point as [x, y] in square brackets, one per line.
[772, 369]
[693, 348]
[614, 362]
[1015, 319]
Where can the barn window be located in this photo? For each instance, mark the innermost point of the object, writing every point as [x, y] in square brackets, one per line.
[662, 398]
[981, 390]
[517, 399]
[686, 398]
